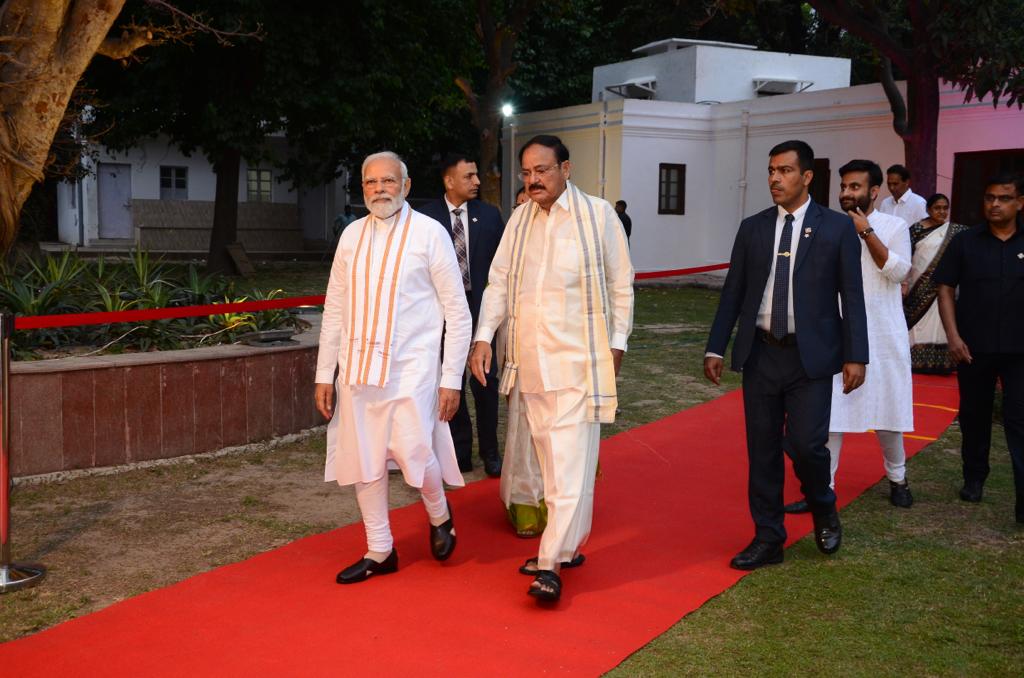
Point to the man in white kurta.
(395, 285)
(885, 402)
(562, 281)
(903, 202)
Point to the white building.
(155, 197)
(691, 171)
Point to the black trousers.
(486, 400)
(781, 402)
(977, 382)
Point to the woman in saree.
(928, 240)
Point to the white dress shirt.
(764, 313)
(465, 220)
(911, 207)
(552, 348)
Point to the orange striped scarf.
(372, 301)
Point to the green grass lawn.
(937, 590)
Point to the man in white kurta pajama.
(394, 286)
(884, 403)
(562, 281)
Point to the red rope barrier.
(36, 322)
(680, 271)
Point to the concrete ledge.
(81, 413)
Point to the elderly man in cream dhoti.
(562, 282)
(395, 285)
(885, 403)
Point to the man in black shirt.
(627, 222)
(985, 329)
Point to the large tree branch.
(895, 97)
(867, 28)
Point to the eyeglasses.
(387, 182)
(541, 172)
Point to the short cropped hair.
(451, 160)
(1001, 178)
(934, 199)
(804, 153)
(900, 170)
(869, 166)
(549, 140)
(620, 202)
(389, 155)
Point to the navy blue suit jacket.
(485, 230)
(826, 270)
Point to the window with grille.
(258, 181)
(173, 183)
(671, 189)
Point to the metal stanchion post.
(12, 575)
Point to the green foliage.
(70, 284)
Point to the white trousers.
(892, 451)
(372, 498)
(566, 445)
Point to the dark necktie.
(780, 289)
(459, 236)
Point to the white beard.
(386, 209)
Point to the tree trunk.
(47, 48)
(225, 213)
(920, 141)
(490, 144)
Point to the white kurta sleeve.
(897, 266)
(494, 303)
(331, 324)
(618, 272)
(447, 278)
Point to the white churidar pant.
(892, 452)
(372, 498)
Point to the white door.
(115, 191)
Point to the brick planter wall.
(77, 413)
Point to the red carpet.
(671, 511)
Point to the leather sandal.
(547, 586)
(530, 566)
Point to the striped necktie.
(780, 290)
(459, 236)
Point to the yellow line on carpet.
(937, 407)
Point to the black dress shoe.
(828, 533)
(797, 507)
(971, 491)
(361, 570)
(442, 538)
(899, 494)
(758, 554)
(492, 466)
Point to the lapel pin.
(807, 230)
(1020, 255)
(474, 219)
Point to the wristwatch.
(866, 232)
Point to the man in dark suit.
(476, 229)
(789, 265)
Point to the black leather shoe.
(971, 491)
(492, 466)
(442, 538)
(758, 554)
(899, 494)
(797, 507)
(828, 533)
(360, 571)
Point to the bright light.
(507, 110)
